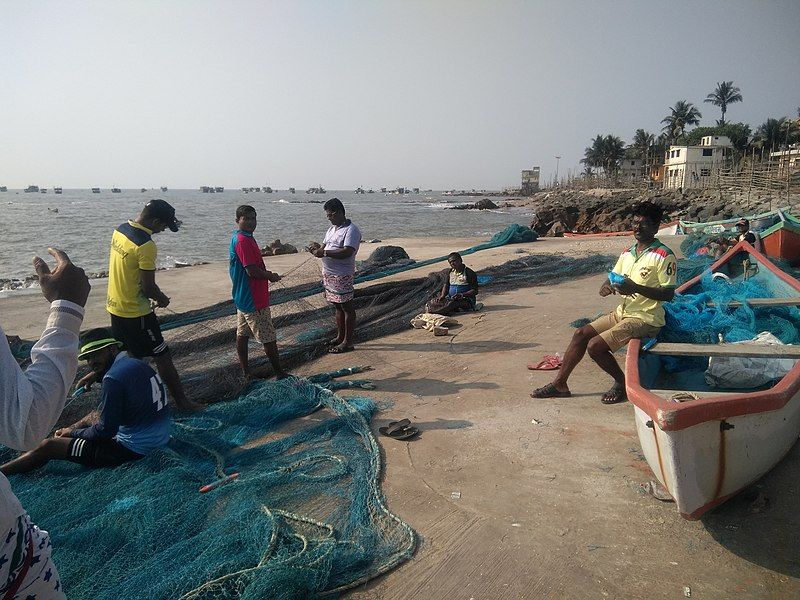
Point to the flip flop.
(549, 391)
(396, 425)
(403, 433)
(548, 363)
(615, 395)
(340, 349)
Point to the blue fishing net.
(691, 319)
(305, 517)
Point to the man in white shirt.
(30, 403)
(338, 253)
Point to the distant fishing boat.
(206, 189)
(95, 190)
(3, 188)
(163, 188)
(758, 223)
(32, 188)
(705, 444)
(267, 190)
(315, 190)
(370, 191)
(143, 190)
(292, 190)
(219, 190)
(43, 190)
(359, 190)
(58, 190)
(116, 191)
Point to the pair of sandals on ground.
(615, 395)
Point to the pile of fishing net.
(305, 517)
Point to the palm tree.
(682, 114)
(726, 93)
(643, 143)
(606, 152)
(771, 133)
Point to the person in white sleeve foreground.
(30, 403)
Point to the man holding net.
(251, 293)
(338, 254)
(647, 273)
(134, 416)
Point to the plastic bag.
(742, 372)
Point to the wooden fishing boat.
(759, 223)
(782, 240)
(715, 443)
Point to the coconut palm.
(682, 114)
(774, 134)
(726, 93)
(606, 152)
(642, 143)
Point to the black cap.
(743, 222)
(161, 209)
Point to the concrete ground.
(519, 498)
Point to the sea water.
(81, 222)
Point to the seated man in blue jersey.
(133, 419)
(460, 289)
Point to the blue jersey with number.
(134, 407)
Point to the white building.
(632, 169)
(694, 166)
(786, 160)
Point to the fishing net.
(305, 517)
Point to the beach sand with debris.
(513, 497)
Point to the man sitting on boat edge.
(650, 272)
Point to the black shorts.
(140, 335)
(100, 453)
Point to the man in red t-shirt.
(251, 292)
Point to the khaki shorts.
(256, 324)
(618, 332)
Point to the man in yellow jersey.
(648, 271)
(131, 286)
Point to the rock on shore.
(596, 211)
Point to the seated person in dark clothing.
(133, 419)
(460, 289)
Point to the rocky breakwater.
(607, 211)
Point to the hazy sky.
(433, 94)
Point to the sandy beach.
(513, 497)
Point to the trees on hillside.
(682, 114)
(776, 134)
(725, 93)
(605, 153)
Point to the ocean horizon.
(81, 223)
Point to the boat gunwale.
(672, 416)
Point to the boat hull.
(703, 465)
(705, 450)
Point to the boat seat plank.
(749, 350)
(761, 302)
